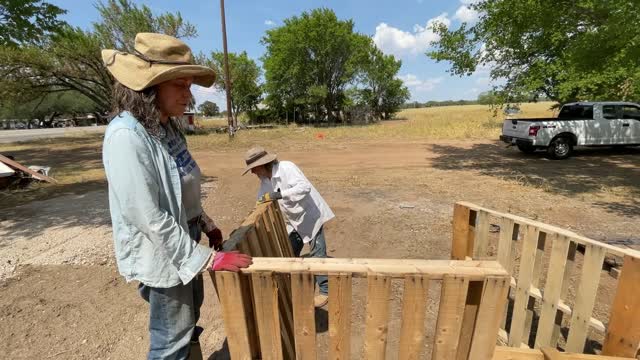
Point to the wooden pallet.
(262, 234)
(453, 340)
(471, 231)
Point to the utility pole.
(227, 75)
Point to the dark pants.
(174, 313)
(318, 250)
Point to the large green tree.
(566, 50)
(316, 64)
(27, 21)
(383, 92)
(209, 108)
(309, 62)
(246, 91)
(70, 61)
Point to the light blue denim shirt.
(150, 232)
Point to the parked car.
(577, 124)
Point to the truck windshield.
(576, 112)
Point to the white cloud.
(392, 40)
(466, 14)
(415, 84)
(469, 2)
(202, 94)
(269, 22)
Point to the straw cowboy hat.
(156, 58)
(257, 156)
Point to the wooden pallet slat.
(552, 291)
(267, 315)
(481, 242)
(377, 318)
(448, 325)
(505, 241)
(585, 297)
(521, 302)
(340, 316)
(414, 308)
(623, 335)
(492, 305)
(536, 274)
(302, 289)
(436, 269)
(464, 220)
(472, 305)
(233, 314)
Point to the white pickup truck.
(577, 124)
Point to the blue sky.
(398, 27)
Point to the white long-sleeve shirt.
(304, 209)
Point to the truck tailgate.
(516, 128)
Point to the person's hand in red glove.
(215, 239)
(230, 261)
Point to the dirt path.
(62, 297)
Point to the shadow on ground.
(589, 170)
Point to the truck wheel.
(527, 149)
(560, 148)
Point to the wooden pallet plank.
(464, 220)
(340, 316)
(267, 314)
(481, 242)
(271, 234)
(552, 291)
(568, 272)
(492, 305)
(508, 240)
(302, 289)
(233, 313)
(285, 302)
(377, 321)
(414, 308)
(436, 269)
(448, 325)
(254, 243)
(585, 297)
(505, 240)
(281, 230)
(623, 334)
(536, 275)
(521, 302)
(472, 304)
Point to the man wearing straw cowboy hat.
(305, 210)
(154, 191)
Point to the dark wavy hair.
(142, 105)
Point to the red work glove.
(215, 239)
(230, 261)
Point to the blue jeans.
(318, 250)
(174, 313)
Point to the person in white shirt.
(305, 211)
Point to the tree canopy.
(566, 50)
(27, 21)
(314, 59)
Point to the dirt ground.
(62, 297)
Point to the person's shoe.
(320, 300)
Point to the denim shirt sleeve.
(133, 176)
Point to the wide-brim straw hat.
(156, 58)
(257, 156)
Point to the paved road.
(9, 136)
